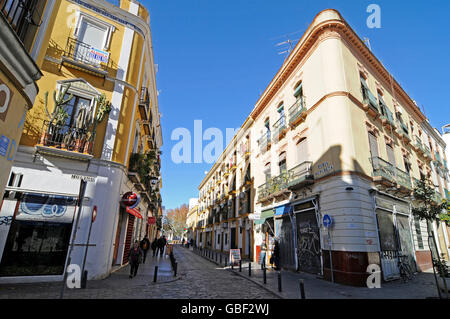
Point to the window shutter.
(373, 145)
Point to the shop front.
(35, 233)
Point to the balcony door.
(302, 151)
(90, 35)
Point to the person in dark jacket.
(135, 258)
(154, 246)
(161, 244)
(145, 246)
(276, 255)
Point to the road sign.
(327, 221)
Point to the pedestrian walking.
(154, 246)
(135, 259)
(145, 246)
(161, 244)
(275, 259)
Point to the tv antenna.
(367, 42)
(287, 45)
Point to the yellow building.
(96, 119)
(334, 136)
(18, 76)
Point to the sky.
(215, 58)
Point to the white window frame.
(109, 28)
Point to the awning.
(264, 215)
(282, 210)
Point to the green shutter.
(298, 90)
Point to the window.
(373, 144)
(282, 163)
(74, 106)
(267, 126)
(302, 151)
(418, 233)
(390, 154)
(407, 165)
(382, 103)
(298, 91)
(267, 171)
(281, 115)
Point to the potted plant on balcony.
(58, 117)
(103, 108)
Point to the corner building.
(334, 134)
(89, 50)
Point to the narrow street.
(197, 278)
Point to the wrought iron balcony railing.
(389, 172)
(279, 127)
(300, 174)
(144, 104)
(85, 54)
(265, 140)
(296, 111)
(67, 138)
(370, 99)
(295, 177)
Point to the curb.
(258, 284)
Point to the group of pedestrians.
(138, 252)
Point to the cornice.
(315, 33)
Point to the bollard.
(240, 265)
(279, 281)
(175, 268)
(155, 274)
(302, 289)
(264, 276)
(221, 259)
(250, 269)
(84, 279)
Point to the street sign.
(327, 221)
(235, 256)
(84, 178)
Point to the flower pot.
(45, 138)
(87, 147)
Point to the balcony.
(82, 56)
(403, 132)
(282, 184)
(383, 172)
(297, 112)
(387, 119)
(418, 146)
(144, 105)
(279, 129)
(427, 153)
(66, 141)
(370, 103)
(265, 142)
(403, 180)
(265, 191)
(300, 176)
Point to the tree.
(426, 207)
(175, 220)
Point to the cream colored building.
(333, 134)
(226, 198)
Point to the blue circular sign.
(327, 221)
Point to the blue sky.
(216, 57)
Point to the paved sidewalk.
(421, 287)
(117, 285)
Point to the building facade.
(226, 199)
(19, 73)
(334, 134)
(95, 119)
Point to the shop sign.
(324, 169)
(134, 212)
(130, 200)
(152, 220)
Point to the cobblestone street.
(197, 278)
